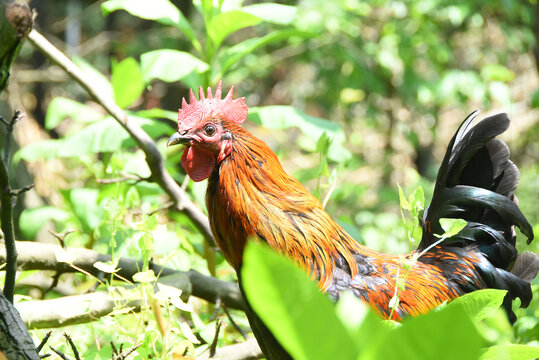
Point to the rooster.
(249, 195)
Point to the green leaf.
(46, 149)
(126, 82)
(231, 56)
(157, 113)
(452, 227)
(61, 108)
(170, 65)
(99, 81)
(32, 220)
(497, 72)
(103, 136)
(403, 201)
(84, 205)
(292, 307)
(284, 117)
(480, 304)
(272, 13)
(535, 99)
(162, 11)
(428, 336)
(107, 267)
(228, 22)
(511, 352)
(145, 276)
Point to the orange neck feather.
(250, 195)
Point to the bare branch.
(248, 350)
(39, 256)
(72, 345)
(44, 341)
(153, 157)
(122, 355)
(69, 310)
(60, 354)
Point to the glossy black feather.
(476, 182)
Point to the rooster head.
(202, 129)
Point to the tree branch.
(70, 310)
(248, 350)
(153, 157)
(39, 256)
(7, 195)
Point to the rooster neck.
(250, 195)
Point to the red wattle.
(198, 162)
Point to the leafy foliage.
(353, 103)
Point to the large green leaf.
(272, 13)
(170, 65)
(497, 72)
(61, 108)
(84, 205)
(230, 56)
(32, 220)
(103, 136)
(301, 318)
(126, 81)
(46, 149)
(228, 22)
(481, 303)
(511, 352)
(428, 336)
(284, 117)
(535, 99)
(162, 11)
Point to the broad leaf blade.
(61, 108)
(511, 352)
(272, 13)
(292, 307)
(126, 82)
(428, 336)
(228, 22)
(162, 11)
(284, 117)
(481, 303)
(170, 65)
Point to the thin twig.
(9, 127)
(17, 192)
(61, 237)
(72, 345)
(126, 353)
(153, 157)
(234, 324)
(61, 355)
(43, 342)
(54, 283)
(213, 345)
(125, 177)
(6, 213)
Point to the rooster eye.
(210, 129)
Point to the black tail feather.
(476, 182)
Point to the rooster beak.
(178, 138)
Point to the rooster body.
(250, 195)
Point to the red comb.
(233, 110)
